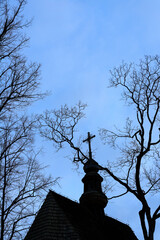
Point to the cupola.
(93, 197)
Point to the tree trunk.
(3, 202)
(148, 235)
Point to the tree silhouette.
(138, 142)
(22, 184)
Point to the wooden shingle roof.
(60, 218)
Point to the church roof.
(60, 218)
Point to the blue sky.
(78, 42)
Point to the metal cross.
(89, 143)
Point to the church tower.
(61, 218)
(93, 197)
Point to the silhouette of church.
(60, 218)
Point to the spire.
(93, 197)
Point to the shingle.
(63, 219)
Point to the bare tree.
(21, 181)
(18, 79)
(22, 185)
(138, 142)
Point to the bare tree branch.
(21, 180)
(137, 141)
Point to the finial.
(89, 143)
